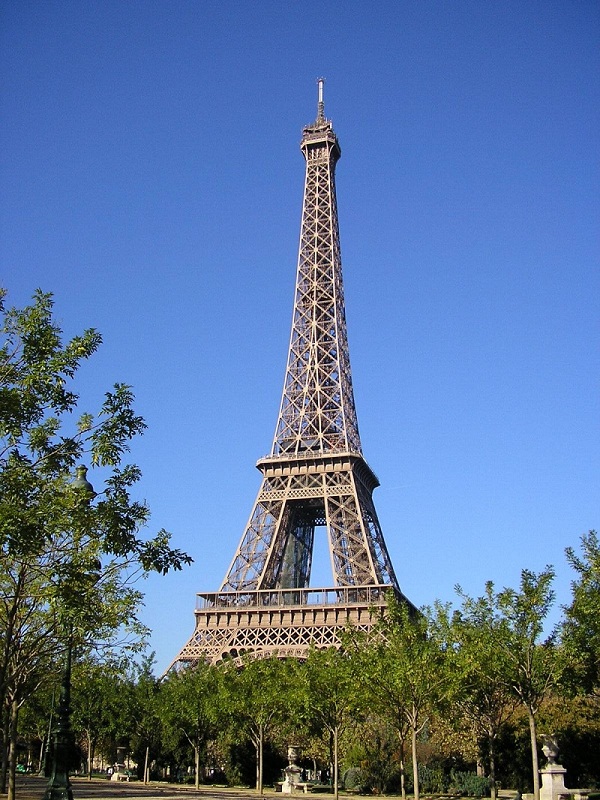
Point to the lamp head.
(82, 483)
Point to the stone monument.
(293, 773)
(553, 774)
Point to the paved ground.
(30, 788)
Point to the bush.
(469, 784)
(432, 780)
(352, 779)
(372, 760)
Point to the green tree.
(331, 696)
(141, 721)
(531, 664)
(190, 707)
(95, 700)
(580, 630)
(66, 565)
(477, 663)
(407, 673)
(379, 695)
(35, 718)
(256, 696)
(372, 757)
(575, 723)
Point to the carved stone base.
(553, 782)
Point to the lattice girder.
(317, 410)
(334, 491)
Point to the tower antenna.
(321, 106)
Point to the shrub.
(352, 779)
(432, 779)
(469, 784)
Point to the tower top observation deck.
(321, 130)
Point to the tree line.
(449, 697)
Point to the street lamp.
(59, 785)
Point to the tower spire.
(321, 104)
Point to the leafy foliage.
(374, 752)
(580, 631)
(407, 676)
(257, 698)
(496, 643)
(479, 693)
(330, 696)
(67, 565)
(190, 708)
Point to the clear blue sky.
(151, 178)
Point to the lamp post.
(59, 785)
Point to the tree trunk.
(146, 764)
(336, 788)
(413, 738)
(197, 765)
(5, 745)
(261, 739)
(402, 770)
(89, 755)
(8, 639)
(534, 754)
(12, 755)
(493, 767)
(256, 742)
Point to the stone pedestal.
(293, 773)
(553, 782)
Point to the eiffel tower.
(315, 475)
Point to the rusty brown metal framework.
(315, 475)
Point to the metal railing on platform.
(336, 595)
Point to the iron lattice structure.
(315, 475)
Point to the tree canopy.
(69, 555)
(580, 631)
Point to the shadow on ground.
(33, 788)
